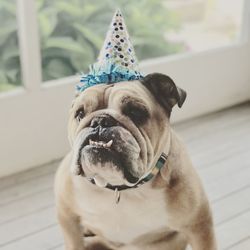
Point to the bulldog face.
(118, 131)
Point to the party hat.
(117, 61)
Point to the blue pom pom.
(108, 73)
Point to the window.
(10, 69)
(72, 32)
(59, 39)
(205, 24)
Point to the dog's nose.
(104, 121)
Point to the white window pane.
(206, 24)
(10, 70)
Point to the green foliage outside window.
(9, 53)
(72, 33)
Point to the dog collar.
(145, 178)
(149, 176)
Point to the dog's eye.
(138, 114)
(79, 114)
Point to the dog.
(128, 182)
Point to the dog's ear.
(164, 90)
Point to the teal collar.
(154, 171)
(145, 178)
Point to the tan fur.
(163, 214)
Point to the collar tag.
(117, 196)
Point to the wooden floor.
(219, 145)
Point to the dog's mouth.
(106, 155)
(100, 144)
(97, 140)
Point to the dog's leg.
(175, 242)
(72, 231)
(201, 235)
(202, 239)
(97, 243)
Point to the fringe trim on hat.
(108, 73)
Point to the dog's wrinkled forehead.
(154, 90)
(109, 96)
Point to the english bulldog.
(128, 182)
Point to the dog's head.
(117, 131)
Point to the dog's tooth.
(90, 142)
(109, 143)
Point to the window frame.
(34, 116)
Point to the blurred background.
(71, 32)
(45, 45)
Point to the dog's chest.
(140, 211)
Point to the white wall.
(213, 79)
(34, 123)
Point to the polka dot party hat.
(117, 61)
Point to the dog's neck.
(149, 175)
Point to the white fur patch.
(140, 211)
